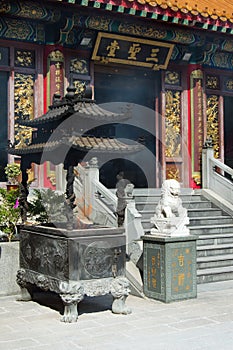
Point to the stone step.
(206, 262)
(203, 222)
(155, 198)
(218, 249)
(192, 213)
(200, 229)
(210, 229)
(199, 212)
(209, 220)
(143, 205)
(157, 191)
(215, 274)
(215, 239)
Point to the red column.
(53, 84)
(196, 123)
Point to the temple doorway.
(137, 90)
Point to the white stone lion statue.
(170, 204)
(170, 216)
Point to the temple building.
(159, 76)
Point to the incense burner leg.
(71, 294)
(120, 291)
(20, 279)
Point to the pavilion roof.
(83, 108)
(81, 143)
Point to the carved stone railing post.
(91, 174)
(207, 155)
(133, 224)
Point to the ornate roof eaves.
(179, 9)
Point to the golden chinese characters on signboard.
(112, 48)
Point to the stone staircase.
(213, 227)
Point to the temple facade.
(166, 66)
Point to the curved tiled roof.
(92, 111)
(54, 113)
(102, 144)
(222, 9)
(83, 108)
(81, 143)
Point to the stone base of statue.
(170, 227)
(169, 267)
(74, 263)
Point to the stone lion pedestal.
(169, 251)
(74, 263)
(169, 267)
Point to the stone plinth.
(9, 264)
(74, 263)
(169, 267)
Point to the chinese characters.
(132, 51)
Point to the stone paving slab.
(195, 324)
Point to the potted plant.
(9, 214)
(12, 171)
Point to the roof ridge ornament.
(71, 89)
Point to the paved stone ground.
(202, 323)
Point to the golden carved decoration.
(30, 10)
(229, 84)
(197, 74)
(23, 136)
(212, 122)
(56, 56)
(24, 107)
(197, 179)
(99, 22)
(183, 36)
(24, 58)
(212, 82)
(173, 172)
(17, 29)
(80, 86)
(221, 59)
(135, 29)
(79, 66)
(4, 8)
(172, 78)
(228, 46)
(172, 123)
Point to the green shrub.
(9, 213)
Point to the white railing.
(99, 204)
(105, 204)
(217, 176)
(94, 201)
